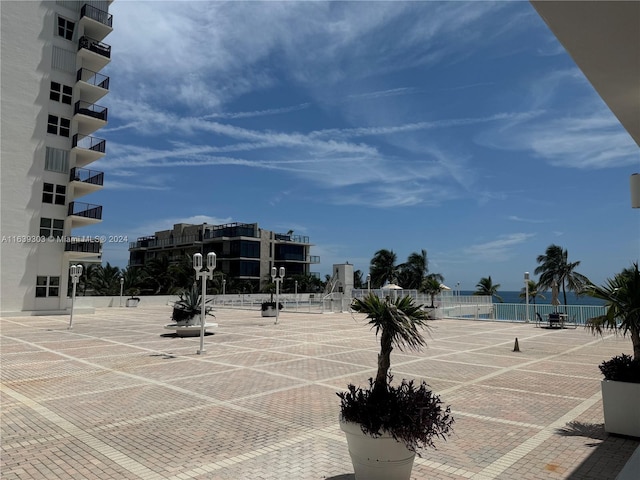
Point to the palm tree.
(432, 287)
(397, 321)
(358, 281)
(106, 280)
(622, 299)
(486, 287)
(134, 278)
(533, 292)
(555, 265)
(414, 270)
(383, 268)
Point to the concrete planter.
(269, 312)
(133, 302)
(381, 458)
(621, 405)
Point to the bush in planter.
(411, 415)
(622, 368)
(189, 305)
(622, 301)
(268, 305)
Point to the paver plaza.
(118, 397)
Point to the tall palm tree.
(134, 278)
(555, 266)
(397, 321)
(486, 287)
(622, 300)
(414, 270)
(358, 281)
(383, 268)
(106, 280)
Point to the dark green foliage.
(266, 305)
(189, 305)
(622, 368)
(411, 415)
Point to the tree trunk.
(384, 362)
(635, 341)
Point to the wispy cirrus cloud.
(498, 250)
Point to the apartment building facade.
(245, 252)
(52, 55)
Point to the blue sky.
(460, 128)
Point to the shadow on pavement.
(603, 463)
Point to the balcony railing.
(96, 14)
(313, 259)
(86, 176)
(86, 210)
(95, 46)
(291, 238)
(92, 78)
(82, 246)
(89, 143)
(91, 110)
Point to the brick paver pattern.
(118, 397)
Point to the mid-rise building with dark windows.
(245, 252)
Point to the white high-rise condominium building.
(51, 58)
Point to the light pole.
(224, 287)
(121, 287)
(526, 295)
(203, 275)
(295, 286)
(368, 284)
(76, 273)
(278, 280)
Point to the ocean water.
(572, 298)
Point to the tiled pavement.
(119, 398)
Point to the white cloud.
(498, 250)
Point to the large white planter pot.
(381, 458)
(269, 312)
(621, 405)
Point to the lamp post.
(75, 272)
(121, 287)
(526, 290)
(224, 286)
(295, 291)
(203, 275)
(368, 284)
(278, 280)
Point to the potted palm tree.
(432, 287)
(621, 384)
(385, 425)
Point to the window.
(65, 28)
(58, 126)
(51, 227)
(47, 286)
(61, 93)
(56, 160)
(53, 193)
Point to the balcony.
(85, 181)
(92, 85)
(95, 55)
(90, 117)
(97, 23)
(84, 214)
(88, 149)
(313, 259)
(79, 245)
